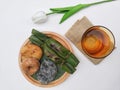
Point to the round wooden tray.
(60, 39)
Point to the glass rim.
(114, 42)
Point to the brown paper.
(75, 33)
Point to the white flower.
(39, 17)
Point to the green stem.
(100, 2)
(54, 12)
(51, 13)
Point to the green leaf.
(59, 73)
(62, 8)
(73, 11)
(53, 12)
(34, 76)
(79, 7)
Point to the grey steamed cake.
(47, 72)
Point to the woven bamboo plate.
(60, 39)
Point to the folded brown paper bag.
(75, 33)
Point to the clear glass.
(98, 42)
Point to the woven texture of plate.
(60, 39)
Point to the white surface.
(15, 28)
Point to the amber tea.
(98, 42)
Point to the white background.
(16, 26)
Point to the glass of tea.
(98, 42)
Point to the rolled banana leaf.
(40, 35)
(57, 47)
(55, 51)
(62, 52)
(52, 55)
